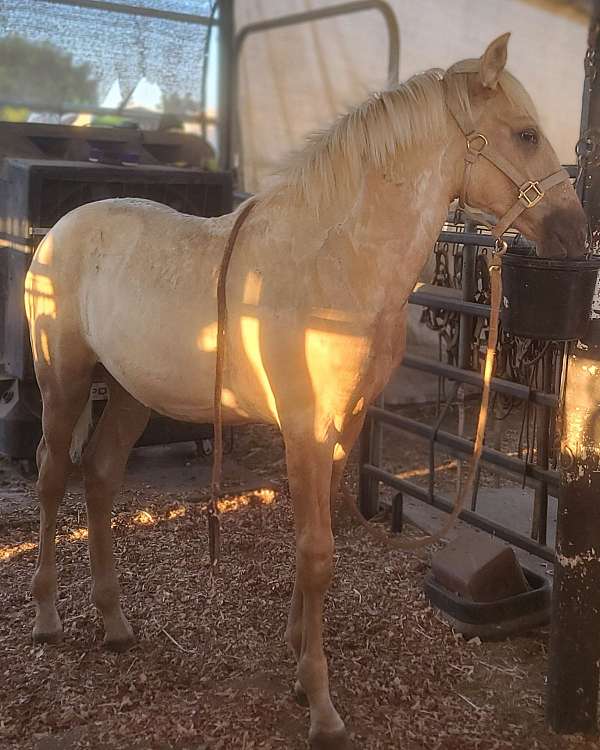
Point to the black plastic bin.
(494, 620)
(545, 298)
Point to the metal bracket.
(530, 193)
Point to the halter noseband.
(531, 192)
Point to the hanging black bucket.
(543, 298)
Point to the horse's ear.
(493, 60)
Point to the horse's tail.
(81, 432)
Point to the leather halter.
(530, 193)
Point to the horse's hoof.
(300, 694)
(52, 637)
(337, 740)
(119, 645)
(118, 633)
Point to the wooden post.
(572, 695)
(572, 700)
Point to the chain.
(589, 64)
(583, 151)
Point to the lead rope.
(214, 524)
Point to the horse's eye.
(529, 135)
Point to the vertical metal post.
(371, 443)
(226, 92)
(368, 488)
(572, 697)
(376, 455)
(397, 513)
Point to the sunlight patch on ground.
(78, 535)
(261, 497)
(143, 518)
(176, 513)
(423, 472)
(16, 549)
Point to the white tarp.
(297, 79)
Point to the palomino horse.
(317, 292)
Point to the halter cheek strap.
(530, 193)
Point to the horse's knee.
(315, 561)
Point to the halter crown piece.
(530, 193)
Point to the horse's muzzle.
(564, 233)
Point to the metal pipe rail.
(470, 377)
(483, 240)
(462, 447)
(340, 9)
(134, 10)
(440, 302)
(442, 503)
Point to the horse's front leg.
(310, 472)
(341, 451)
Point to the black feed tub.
(494, 620)
(544, 298)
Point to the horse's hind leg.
(104, 462)
(65, 389)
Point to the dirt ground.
(211, 669)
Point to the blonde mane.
(332, 161)
(413, 114)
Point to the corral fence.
(529, 377)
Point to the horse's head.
(511, 171)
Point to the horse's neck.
(395, 221)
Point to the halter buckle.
(472, 138)
(530, 193)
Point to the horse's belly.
(171, 369)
